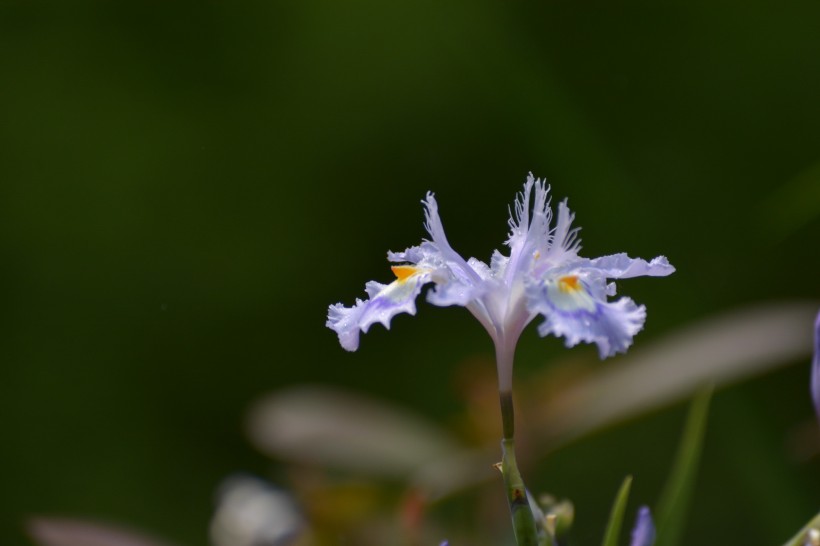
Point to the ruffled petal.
(425, 254)
(386, 301)
(459, 267)
(574, 307)
(451, 293)
(543, 274)
(458, 281)
(564, 241)
(498, 264)
(643, 534)
(529, 224)
(560, 248)
(454, 289)
(621, 266)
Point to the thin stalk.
(507, 415)
(522, 518)
(520, 511)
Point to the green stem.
(522, 518)
(507, 415)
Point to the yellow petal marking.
(403, 272)
(569, 283)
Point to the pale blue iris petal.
(452, 293)
(643, 534)
(373, 288)
(621, 266)
(815, 369)
(457, 265)
(564, 243)
(454, 288)
(579, 316)
(412, 255)
(482, 270)
(531, 215)
(345, 322)
(509, 293)
(611, 289)
(425, 253)
(385, 302)
(498, 264)
(529, 229)
(594, 282)
(453, 285)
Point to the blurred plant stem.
(520, 511)
(616, 517)
(808, 535)
(677, 494)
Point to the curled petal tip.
(621, 266)
(385, 301)
(344, 321)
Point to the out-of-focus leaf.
(347, 431)
(616, 517)
(341, 430)
(675, 499)
(251, 512)
(800, 538)
(332, 428)
(47, 531)
(459, 470)
(718, 351)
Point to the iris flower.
(543, 275)
(815, 368)
(643, 534)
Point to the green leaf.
(675, 499)
(616, 517)
(800, 538)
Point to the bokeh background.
(186, 186)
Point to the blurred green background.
(186, 186)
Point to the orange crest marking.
(569, 283)
(402, 272)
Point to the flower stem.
(522, 518)
(507, 415)
(520, 511)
